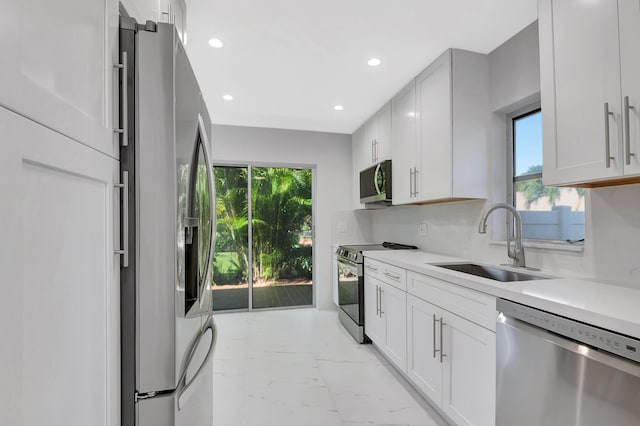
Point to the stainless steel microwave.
(375, 185)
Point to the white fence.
(558, 224)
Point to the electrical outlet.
(423, 230)
(343, 227)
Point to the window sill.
(550, 245)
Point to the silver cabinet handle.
(124, 125)
(390, 275)
(442, 324)
(435, 320)
(375, 149)
(373, 153)
(411, 183)
(627, 131)
(381, 311)
(124, 251)
(608, 156)
(371, 268)
(415, 181)
(377, 301)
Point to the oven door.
(351, 289)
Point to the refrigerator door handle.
(204, 141)
(184, 387)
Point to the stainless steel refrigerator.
(168, 229)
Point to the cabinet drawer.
(477, 307)
(392, 275)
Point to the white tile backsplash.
(611, 251)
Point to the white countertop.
(604, 305)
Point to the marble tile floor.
(299, 367)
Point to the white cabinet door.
(374, 325)
(394, 314)
(383, 147)
(580, 74)
(433, 97)
(371, 136)
(358, 149)
(403, 111)
(59, 310)
(469, 372)
(58, 66)
(423, 362)
(629, 13)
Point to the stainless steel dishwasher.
(553, 370)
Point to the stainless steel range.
(351, 285)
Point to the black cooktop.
(384, 246)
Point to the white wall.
(612, 227)
(330, 154)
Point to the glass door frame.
(314, 255)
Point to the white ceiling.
(288, 62)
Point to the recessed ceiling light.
(373, 62)
(214, 42)
(227, 97)
(338, 107)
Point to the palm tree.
(281, 199)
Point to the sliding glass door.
(231, 255)
(271, 230)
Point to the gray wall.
(329, 153)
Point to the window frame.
(511, 158)
(512, 179)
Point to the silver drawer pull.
(371, 268)
(390, 275)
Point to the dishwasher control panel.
(609, 341)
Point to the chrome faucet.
(517, 254)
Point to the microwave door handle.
(375, 179)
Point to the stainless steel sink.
(489, 272)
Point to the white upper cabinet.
(440, 130)
(358, 156)
(404, 149)
(58, 66)
(371, 144)
(590, 60)
(174, 12)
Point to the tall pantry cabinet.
(59, 313)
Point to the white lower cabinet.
(440, 335)
(423, 361)
(385, 319)
(60, 304)
(469, 373)
(452, 361)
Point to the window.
(548, 212)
